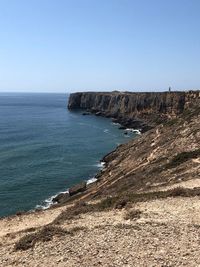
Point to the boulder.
(77, 188)
(61, 198)
(115, 120)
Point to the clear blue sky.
(76, 45)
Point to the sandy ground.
(167, 233)
(18, 223)
(190, 184)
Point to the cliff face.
(129, 108)
(165, 155)
(146, 197)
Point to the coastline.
(147, 197)
(44, 164)
(124, 123)
(51, 201)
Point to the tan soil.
(18, 223)
(167, 234)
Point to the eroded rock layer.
(143, 210)
(138, 110)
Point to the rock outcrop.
(77, 188)
(142, 211)
(61, 198)
(165, 154)
(136, 110)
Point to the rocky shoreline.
(168, 106)
(142, 111)
(136, 120)
(143, 210)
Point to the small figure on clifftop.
(170, 89)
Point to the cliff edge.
(144, 209)
(136, 110)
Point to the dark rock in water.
(125, 133)
(61, 198)
(122, 128)
(146, 128)
(77, 188)
(98, 174)
(86, 113)
(20, 212)
(115, 120)
(109, 157)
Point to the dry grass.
(121, 201)
(133, 214)
(44, 235)
(183, 157)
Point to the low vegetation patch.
(25, 242)
(74, 212)
(128, 226)
(43, 235)
(133, 214)
(82, 208)
(28, 230)
(172, 122)
(188, 114)
(121, 201)
(106, 204)
(76, 229)
(179, 191)
(183, 157)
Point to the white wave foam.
(49, 201)
(92, 180)
(101, 164)
(106, 131)
(133, 130)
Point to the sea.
(45, 148)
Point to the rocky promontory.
(136, 110)
(144, 208)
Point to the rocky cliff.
(143, 210)
(138, 110)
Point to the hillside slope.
(144, 209)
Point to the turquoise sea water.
(44, 148)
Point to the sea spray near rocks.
(57, 198)
(46, 149)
